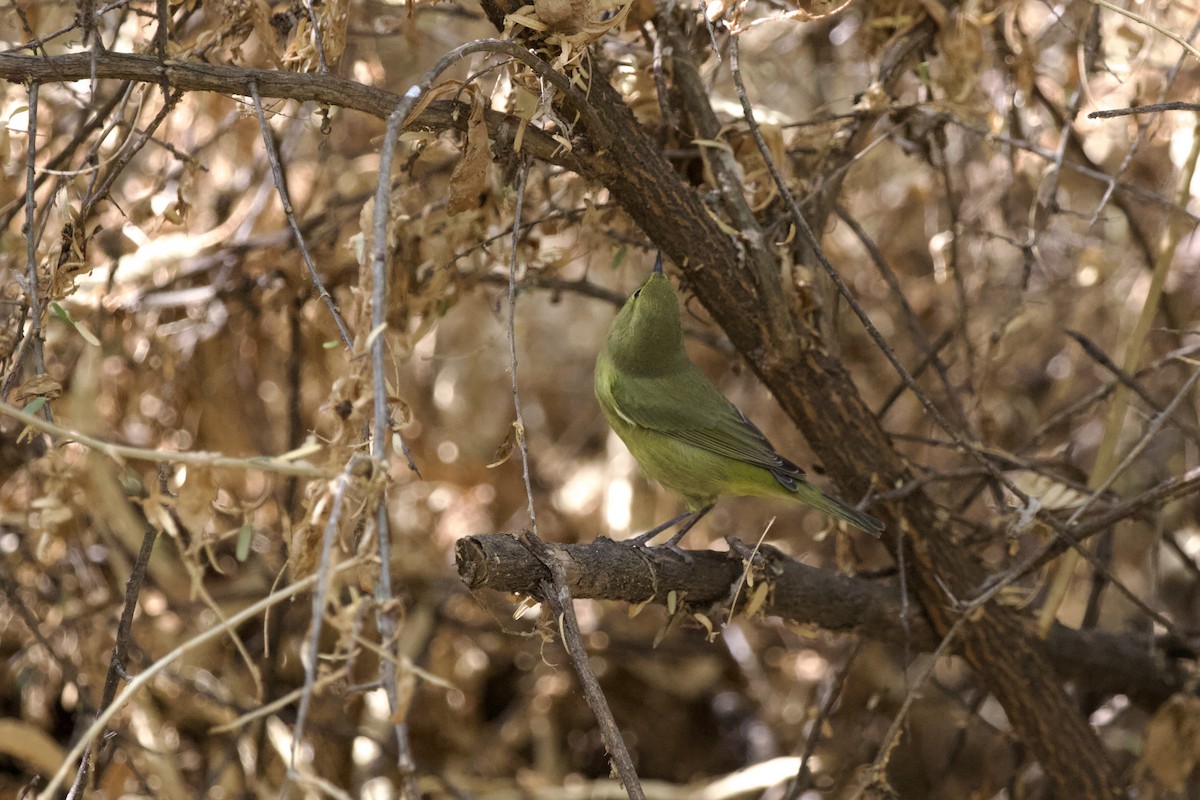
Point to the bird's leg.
(641, 539)
(673, 543)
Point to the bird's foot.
(677, 551)
(672, 544)
(642, 539)
(641, 543)
(656, 549)
(688, 518)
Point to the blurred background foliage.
(182, 318)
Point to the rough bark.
(815, 390)
(810, 385)
(1096, 661)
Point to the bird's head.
(646, 333)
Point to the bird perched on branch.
(680, 428)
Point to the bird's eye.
(636, 293)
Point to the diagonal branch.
(814, 388)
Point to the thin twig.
(555, 592)
(324, 569)
(926, 361)
(1102, 392)
(1174, 37)
(10, 593)
(1143, 126)
(30, 228)
(803, 780)
(928, 349)
(382, 428)
(1165, 492)
(1103, 474)
(396, 120)
(316, 34)
(147, 674)
(1153, 428)
(1046, 204)
(100, 191)
(1135, 190)
(522, 444)
(892, 737)
(810, 239)
(266, 709)
(118, 662)
(279, 464)
(94, 117)
(1069, 533)
(1094, 352)
(537, 280)
(566, 213)
(289, 213)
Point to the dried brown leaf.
(505, 450)
(469, 179)
(37, 386)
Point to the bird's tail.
(835, 508)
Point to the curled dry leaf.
(571, 24)
(357, 489)
(333, 18)
(505, 450)
(469, 179)
(731, 12)
(37, 386)
(756, 177)
(758, 598)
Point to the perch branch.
(607, 570)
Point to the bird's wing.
(686, 406)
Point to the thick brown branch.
(302, 87)
(811, 385)
(815, 390)
(1098, 662)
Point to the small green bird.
(680, 428)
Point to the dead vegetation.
(267, 310)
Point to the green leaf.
(245, 536)
(619, 256)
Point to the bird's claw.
(675, 549)
(641, 543)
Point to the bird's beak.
(658, 268)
